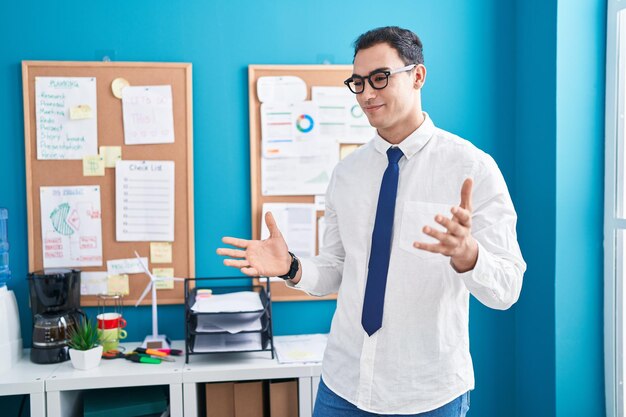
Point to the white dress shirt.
(419, 360)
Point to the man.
(402, 254)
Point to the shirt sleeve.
(496, 280)
(321, 275)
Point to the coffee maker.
(55, 305)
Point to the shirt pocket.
(416, 215)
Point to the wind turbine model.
(156, 340)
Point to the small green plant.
(84, 336)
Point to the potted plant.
(85, 352)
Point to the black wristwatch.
(293, 268)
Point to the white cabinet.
(245, 367)
(27, 378)
(66, 385)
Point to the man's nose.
(369, 92)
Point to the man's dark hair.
(407, 43)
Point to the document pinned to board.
(283, 89)
(298, 176)
(144, 201)
(148, 114)
(340, 115)
(126, 266)
(66, 110)
(93, 283)
(71, 226)
(291, 130)
(297, 223)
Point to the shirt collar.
(413, 143)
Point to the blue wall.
(581, 35)
(535, 129)
(559, 187)
(491, 79)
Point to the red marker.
(173, 352)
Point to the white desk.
(27, 378)
(56, 390)
(246, 366)
(64, 387)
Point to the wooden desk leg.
(304, 397)
(38, 404)
(176, 400)
(190, 399)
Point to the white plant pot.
(86, 359)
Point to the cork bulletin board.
(313, 75)
(110, 132)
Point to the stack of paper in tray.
(232, 313)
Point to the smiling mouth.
(373, 108)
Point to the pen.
(150, 352)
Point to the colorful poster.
(291, 130)
(71, 226)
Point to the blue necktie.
(374, 300)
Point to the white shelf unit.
(246, 367)
(66, 385)
(27, 378)
(56, 390)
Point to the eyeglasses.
(377, 79)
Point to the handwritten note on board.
(118, 284)
(93, 283)
(161, 252)
(144, 201)
(126, 266)
(111, 155)
(60, 136)
(93, 165)
(148, 114)
(163, 273)
(71, 226)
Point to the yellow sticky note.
(81, 112)
(161, 252)
(93, 166)
(163, 273)
(111, 155)
(118, 284)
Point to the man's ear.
(419, 76)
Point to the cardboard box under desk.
(249, 399)
(220, 399)
(235, 399)
(284, 399)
